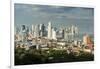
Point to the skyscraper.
(76, 30)
(62, 32)
(36, 31)
(66, 34)
(23, 28)
(33, 28)
(72, 31)
(42, 30)
(23, 33)
(49, 30)
(53, 34)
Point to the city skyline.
(53, 34)
(28, 14)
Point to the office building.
(23, 33)
(33, 29)
(49, 30)
(36, 31)
(42, 30)
(54, 34)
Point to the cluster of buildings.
(49, 32)
(44, 37)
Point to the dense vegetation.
(33, 56)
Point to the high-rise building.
(66, 34)
(61, 33)
(27, 30)
(36, 31)
(33, 28)
(76, 31)
(54, 34)
(49, 30)
(69, 33)
(23, 28)
(42, 30)
(23, 33)
(72, 31)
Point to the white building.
(53, 34)
(33, 28)
(76, 31)
(49, 30)
(66, 34)
(72, 31)
(36, 31)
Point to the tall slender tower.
(33, 30)
(42, 30)
(53, 34)
(49, 30)
(72, 31)
(36, 32)
(76, 30)
(66, 34)
(23, 33)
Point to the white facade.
(36, 31)
(66, 34)
(53, 34)
(33, 28)
(49, 30)
(76, 30)
(72, 32)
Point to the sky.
(59, 16)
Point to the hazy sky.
(59, 16)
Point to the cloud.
(41, 12)
(55, 11)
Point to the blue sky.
(60, 16)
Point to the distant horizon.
(28, 14)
